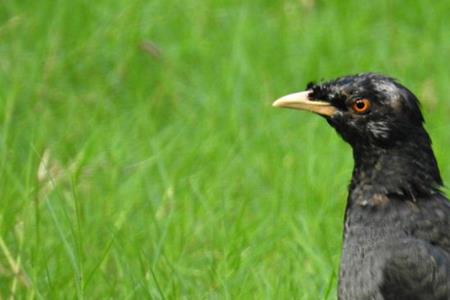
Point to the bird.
(396, 239)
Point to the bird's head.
(381, 120)
(366, 109)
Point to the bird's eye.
(361, 106)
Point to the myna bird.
(397, 221)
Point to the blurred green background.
(140, 156)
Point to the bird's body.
(397, 227)
(397, 222)
(398, 250)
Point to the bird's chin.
(349, 133)
(334, 120)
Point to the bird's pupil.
(360, 104)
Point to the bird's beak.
(301, 101)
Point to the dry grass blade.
(151, 48)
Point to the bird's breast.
(367, 235)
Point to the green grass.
(128, 172)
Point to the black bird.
(397, 221)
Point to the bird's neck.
(407, 170)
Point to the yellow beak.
(301, 101)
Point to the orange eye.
(361, 106)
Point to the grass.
(140, 156)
